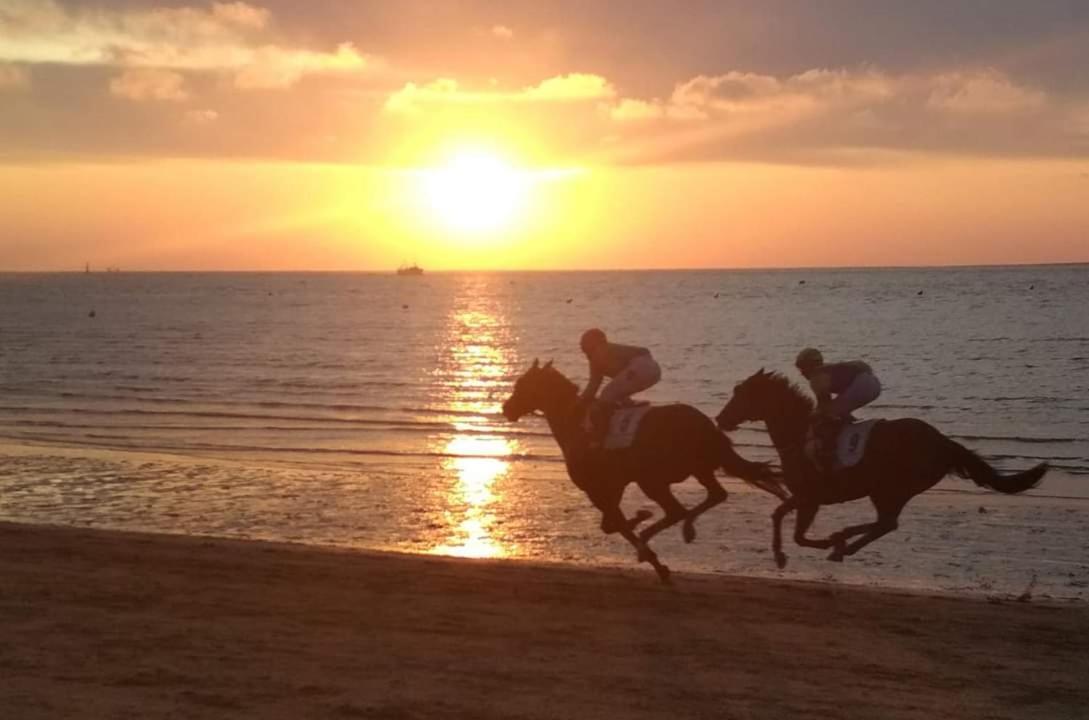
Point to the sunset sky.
(355, 135)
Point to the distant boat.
(412, 269)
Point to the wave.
(1017, 439)
(377, 426)
(337, 406)
(119, 443)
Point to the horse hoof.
(836, 556)
(689, 533)
(642, 515)
(664, 576)
(781, 560)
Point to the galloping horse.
(672, 443)
(903, 458)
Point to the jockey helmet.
(810, 357)
(591, 338)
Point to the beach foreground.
(107, 624)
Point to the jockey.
(852, 383)
(632, 369)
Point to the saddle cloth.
(850, 444)
(623, 424)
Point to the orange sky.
(357, 135)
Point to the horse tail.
(757, 474)
(971, 466)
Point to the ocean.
(363, 409)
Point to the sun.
(475, 191)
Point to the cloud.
(273, 67)
(230, 37)
(573, 87)
(412, 96)
(13, 77)
(502, 32)
(141, 84)
(241, 14)
(845, 110)
(983, 92)
(628, 109)
(200, 117)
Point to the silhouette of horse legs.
(613, 520)
(715, 494)
(840, 537)
(888, 516)
(675, 512)
(777, 530)
(610, 523)
(806, 513)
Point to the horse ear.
(536, 364)
(548, 364)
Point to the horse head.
(537, 389)
(748, 403)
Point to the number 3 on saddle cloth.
(833, 445)
(613, 427)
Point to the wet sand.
(97, 624)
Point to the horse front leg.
(615, 521)
(777, 530)
(806, 514)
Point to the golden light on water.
(475, 495)
(477, 361)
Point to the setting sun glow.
(475, 191)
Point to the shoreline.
(98, 623)
(952, 540)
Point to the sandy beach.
(100, 624)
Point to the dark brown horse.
(673, 442)
(903, 458)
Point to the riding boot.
(600, 412)
(827, 434)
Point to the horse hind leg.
(674, 511)
(887, 521)
(840, 537)
(716, 494)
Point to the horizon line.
(756, 268)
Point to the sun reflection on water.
(477, 360)
(472, 518)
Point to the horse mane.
(788, 393)
(565, 382)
